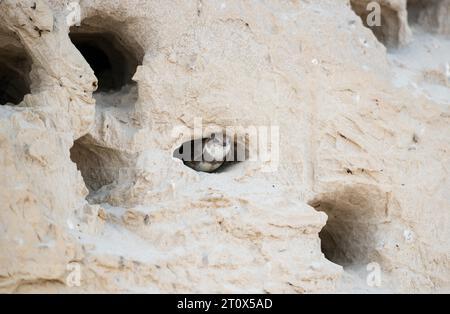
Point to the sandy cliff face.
(91, 189)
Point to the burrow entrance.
(113, 65)
(350, 234)
(194, 154)
(15, 67)
(112, 55)
(100, 167)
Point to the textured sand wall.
(89, 179)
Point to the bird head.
(220, 139)
(218, 146)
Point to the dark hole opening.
(102, 168)
(112, 63)
(99, 62)
(194, 155)
(15, 66)
(349, 237)
(93, 162)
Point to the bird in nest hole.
(212, 154)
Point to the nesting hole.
(100, 167)
(190, 153)
(388, 32)
(112, 55)
(15, 67)
(112, 64)
(350, 235)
